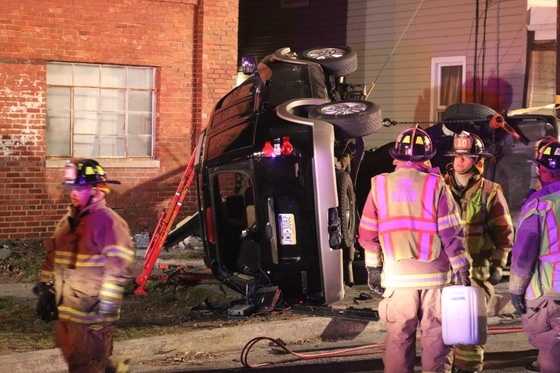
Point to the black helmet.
(549, 155)
(468, 144)
(85, 172)
(413, 144)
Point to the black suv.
(276, 172)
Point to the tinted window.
(288, 81)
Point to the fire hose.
(352, 351)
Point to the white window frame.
(437, 64)
(152, 117)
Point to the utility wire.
(483, 51)
(394, 48)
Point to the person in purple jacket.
(535, 266)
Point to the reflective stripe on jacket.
(487, 223)
(409, 216)
(535, 266)
(89, 259)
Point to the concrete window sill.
(111, 163)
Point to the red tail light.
(287, 147)
(277, 147)
(268, 150)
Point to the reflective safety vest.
(409, 219)
(406, 214)
(546, 275)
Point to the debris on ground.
(20, 260)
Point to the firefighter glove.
(496, 274)
(462, 278)
(46, 308)
(518, 301)
(374, 280)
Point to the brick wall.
(166, 34)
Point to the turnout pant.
(86, 347)
(405, 310)
(541, 322)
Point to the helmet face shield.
(413, 144)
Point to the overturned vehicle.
(276, 177)
(283, 173)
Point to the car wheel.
(337, 61)
(356, 118)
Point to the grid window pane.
(112, 100)
(58, 135)
(139, 145)
(139, 124)
(111, 146)
(58, 100)
(140, 78)
(140, 101)
(113, 76)
(86, 75)
(85, 146)
(111, 124)
(86, 99)
(86, 123)
(59, 74)
(99, 110)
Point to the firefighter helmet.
(85, 172)
(468, 144)
(413, 144)
(542, 142)
(549, 155)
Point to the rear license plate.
(287, 224)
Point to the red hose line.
(353, 351)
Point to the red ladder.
(164, 225)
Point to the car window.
(288, 81)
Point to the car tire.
(354, 117)
(347, 213)
(338, 61)
(346, 208)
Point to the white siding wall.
(442, 28)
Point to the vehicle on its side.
(276, 175)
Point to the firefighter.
(487, 225)
(411, 225)
(535, 265)
(88, 263)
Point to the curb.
(211, 341)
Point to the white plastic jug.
(463, 315)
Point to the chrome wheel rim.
(344, 108)
(326, 53)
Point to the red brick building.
(128, 82)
